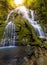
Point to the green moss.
(23, 31)
(26, 34)
(2, 27)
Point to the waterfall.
(9, 15)
(37, 26)
(9, 37)
(25, 12)
(10, 34)
(30, 17)
(32, 14)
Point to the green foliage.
(5, 7)
(30, 3)
(41, 10)
(23, 31)
(26, 34)
(2, 27)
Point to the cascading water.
(10, 34)
(25, 12)
(37, 26)
(9, 15)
